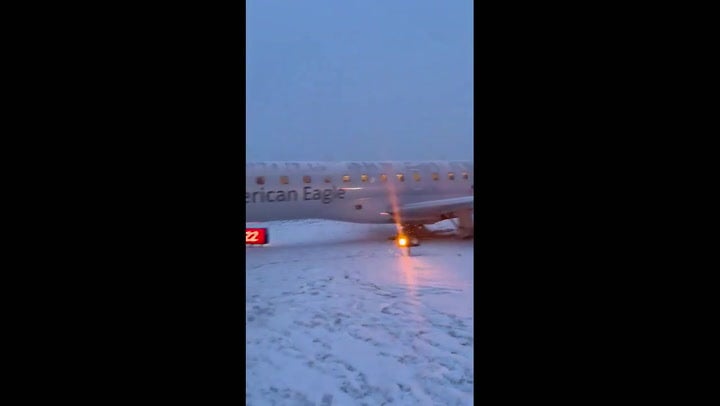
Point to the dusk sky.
(359, 80)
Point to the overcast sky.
(359, 79)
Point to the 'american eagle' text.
(308, 193)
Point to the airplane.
(408, 194)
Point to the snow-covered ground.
(337, 315)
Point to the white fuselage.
(361, 192)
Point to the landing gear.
(411, 230)
(462, 219)
(405, 240)
(414, 229)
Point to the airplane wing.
(435, 209)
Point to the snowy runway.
(335, 314)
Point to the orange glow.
(402, 241)
(395, 206)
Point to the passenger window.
(346, 178)
(306, 179)
(284, 180)
(451, 176)
(260, 180)
(383, 177)
(435, 176)
(465, 175)
(400, 177)
(328, 179)
(363, 178)
(416, 176)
